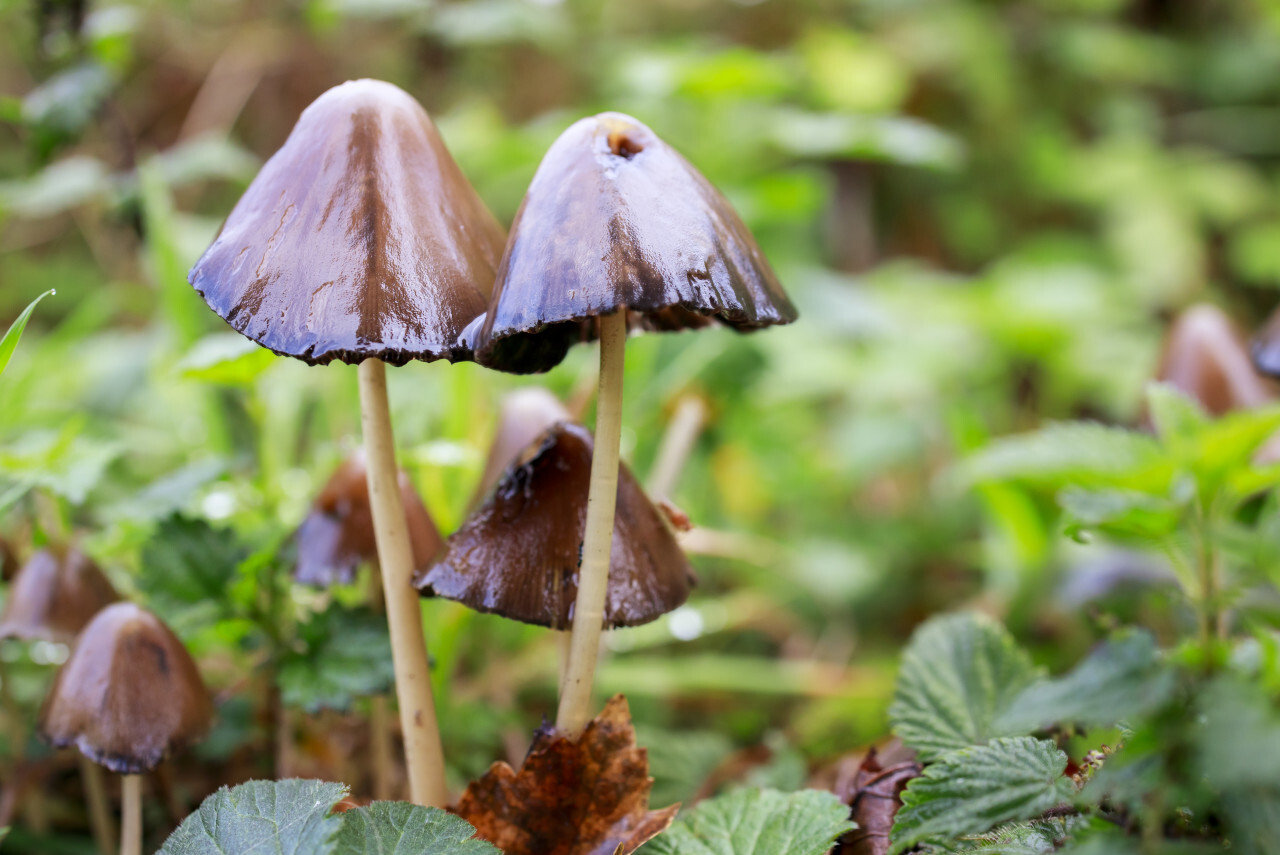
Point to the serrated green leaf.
(281, 817)
(756, 822)
(1077, 452)
(400, 828)
(188, 563)
(1123, 678)
(344, 654)
(9, 343)
(958, 674)
(970, 791)
(1037, 837)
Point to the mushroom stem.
(673, 452)
(380, 750)
(424, 756)
(131, 816)
(95, 797)
(602, 496)
(564, 643)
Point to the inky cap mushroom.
(1205, 357)
(615, 218)
(518, 555)
(359, 238)
(1266, 347)
(129, 694)
(524, 415)
(54, 596)
(337, 535)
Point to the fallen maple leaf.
(874, 796)
(584, 796)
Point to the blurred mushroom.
(1266, 347)
(129, 694)
(616, 227)
(1205, 356)
(524, 415)
(361, 240)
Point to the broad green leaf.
(1123, 514)
(1123, 678)
(756, 822)
(400, 828)
(1176, 417)
(9, 343)
(958, 674)
(344, 654)
(188, 563)
(280, 817)
(970, 791)
(1072, 453)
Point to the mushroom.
(616, 228)
(1205, 357)
(524, 415)
(361, 241)
(128, 695)
(1266, 347)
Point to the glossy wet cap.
(337, 535)
(1205, 356)
(1266, 347)
(54, 595)
(360, 238)
(616, 218)
(129, 694)
(524, 415)
(519, 554)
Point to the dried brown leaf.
(874, 796)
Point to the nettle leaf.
(1037, 837)
(290, 817)
(344, 654)
(1123, 514)
(188, 563)
(959, 673)
(1076, 452)
(1227, 445)
(757, 822)
(1123, 678)
(970, 791)
(9, 343)
(400, 828)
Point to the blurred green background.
(986, 211)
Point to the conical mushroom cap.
(360, 238)
(525, 414)
(1205, 357)
(54, 596)
(519, 554)
(616, 218)
(129, 694)
(1266, 347)
(337, 535)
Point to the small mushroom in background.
(523, 416)
(1266, 347)
(1205, 357)
(128, 695)
(616, 230)
(362, 241)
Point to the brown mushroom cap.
(337, 535)
(616, 218)
(1205, 357)
(54, 596)
(359, 238)
(1266, 347)
(129, 694)
(525, 414)
(519, 554)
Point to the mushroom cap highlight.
(359, 238)
(1266, 347)
(337, 535)
(128, 695)
(54, 596)
(519, 554)
(524, 415)
(615, 218)
(1205, 357)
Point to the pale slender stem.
(95, 797)
(677, 443)
(424, 756)
(131, 816)
(602, 497)
(380, 749)
(564, 640)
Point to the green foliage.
(959, 674)
(756, 822)
(1034, 837)
(972, 790)
(10, 341)
(398, 828)
(288, 817)
(339, 654)
(188, 563)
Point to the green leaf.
(970, 791)
(344, 654)
(399, 828)
(1122, 514)
(959, 673)
(226, 358)
(1123, 678)
(756, 822)
(9, 343)
(1176, 416)
(281, 817)
(188, 563)
(1037, 837)
(1079, 452)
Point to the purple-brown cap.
(519, 554)
(360, 238)
(522, 418)
(337, 535)
(1205, 357)
(54, 595)
(129, 694)
(617, 219)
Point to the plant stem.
(95, 797)
(424, 756)
(564, 643)
(602, 497)
(131, 816)
(677, 443)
